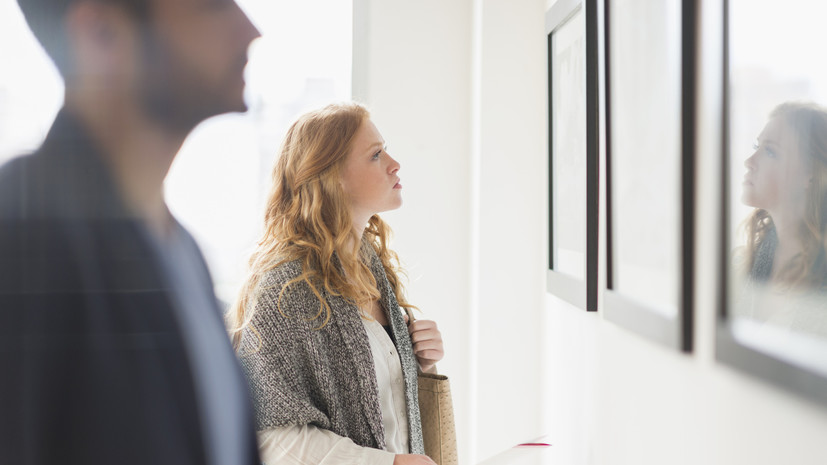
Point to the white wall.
(509, 140)
(412, 67)
(458, 90)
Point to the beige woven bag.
(436, 410)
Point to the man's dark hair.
(46, 19)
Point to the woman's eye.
(771, 153)
(376, 155)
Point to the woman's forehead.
(367, 136)
(779, 131)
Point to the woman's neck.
(359, 224)
(789, 243)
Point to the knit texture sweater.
(325, 377)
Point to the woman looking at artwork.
(785, 259)
(331, 361)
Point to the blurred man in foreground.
(112, 348)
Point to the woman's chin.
(747, 200)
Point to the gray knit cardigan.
(324, 377)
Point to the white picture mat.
(646, 151)
(568, 57)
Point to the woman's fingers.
(422, 330)
(419, 325)
(427, 342)
(428, 359)
(430, 345)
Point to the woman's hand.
(427, 343)
(411, 459)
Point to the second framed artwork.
(650, 75)
(573, 90)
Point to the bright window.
(218, 183)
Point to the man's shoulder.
(14, 166)
(64, 183)
(52, 227)
(16, 176)
(40, 185)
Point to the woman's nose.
(750, 163)
(394, 165)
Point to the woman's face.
(369, 175)
(777, 176)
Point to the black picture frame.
(634, 312)
(579, 288)
(803, 372)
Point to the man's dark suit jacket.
(93, 368)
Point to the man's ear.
(97, 33)
(87, 20)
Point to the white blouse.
(308, 444)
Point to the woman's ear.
(342, 184)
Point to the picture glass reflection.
(778, 178)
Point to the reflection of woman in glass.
(786, 182)
(330, 384)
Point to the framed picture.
(650, 75)
(573, 90)
(772, 321)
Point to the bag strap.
(410, 314)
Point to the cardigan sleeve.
(277, 354)
(305, 371)
(306, 445)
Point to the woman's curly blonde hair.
(307, 218)
(808, 122)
